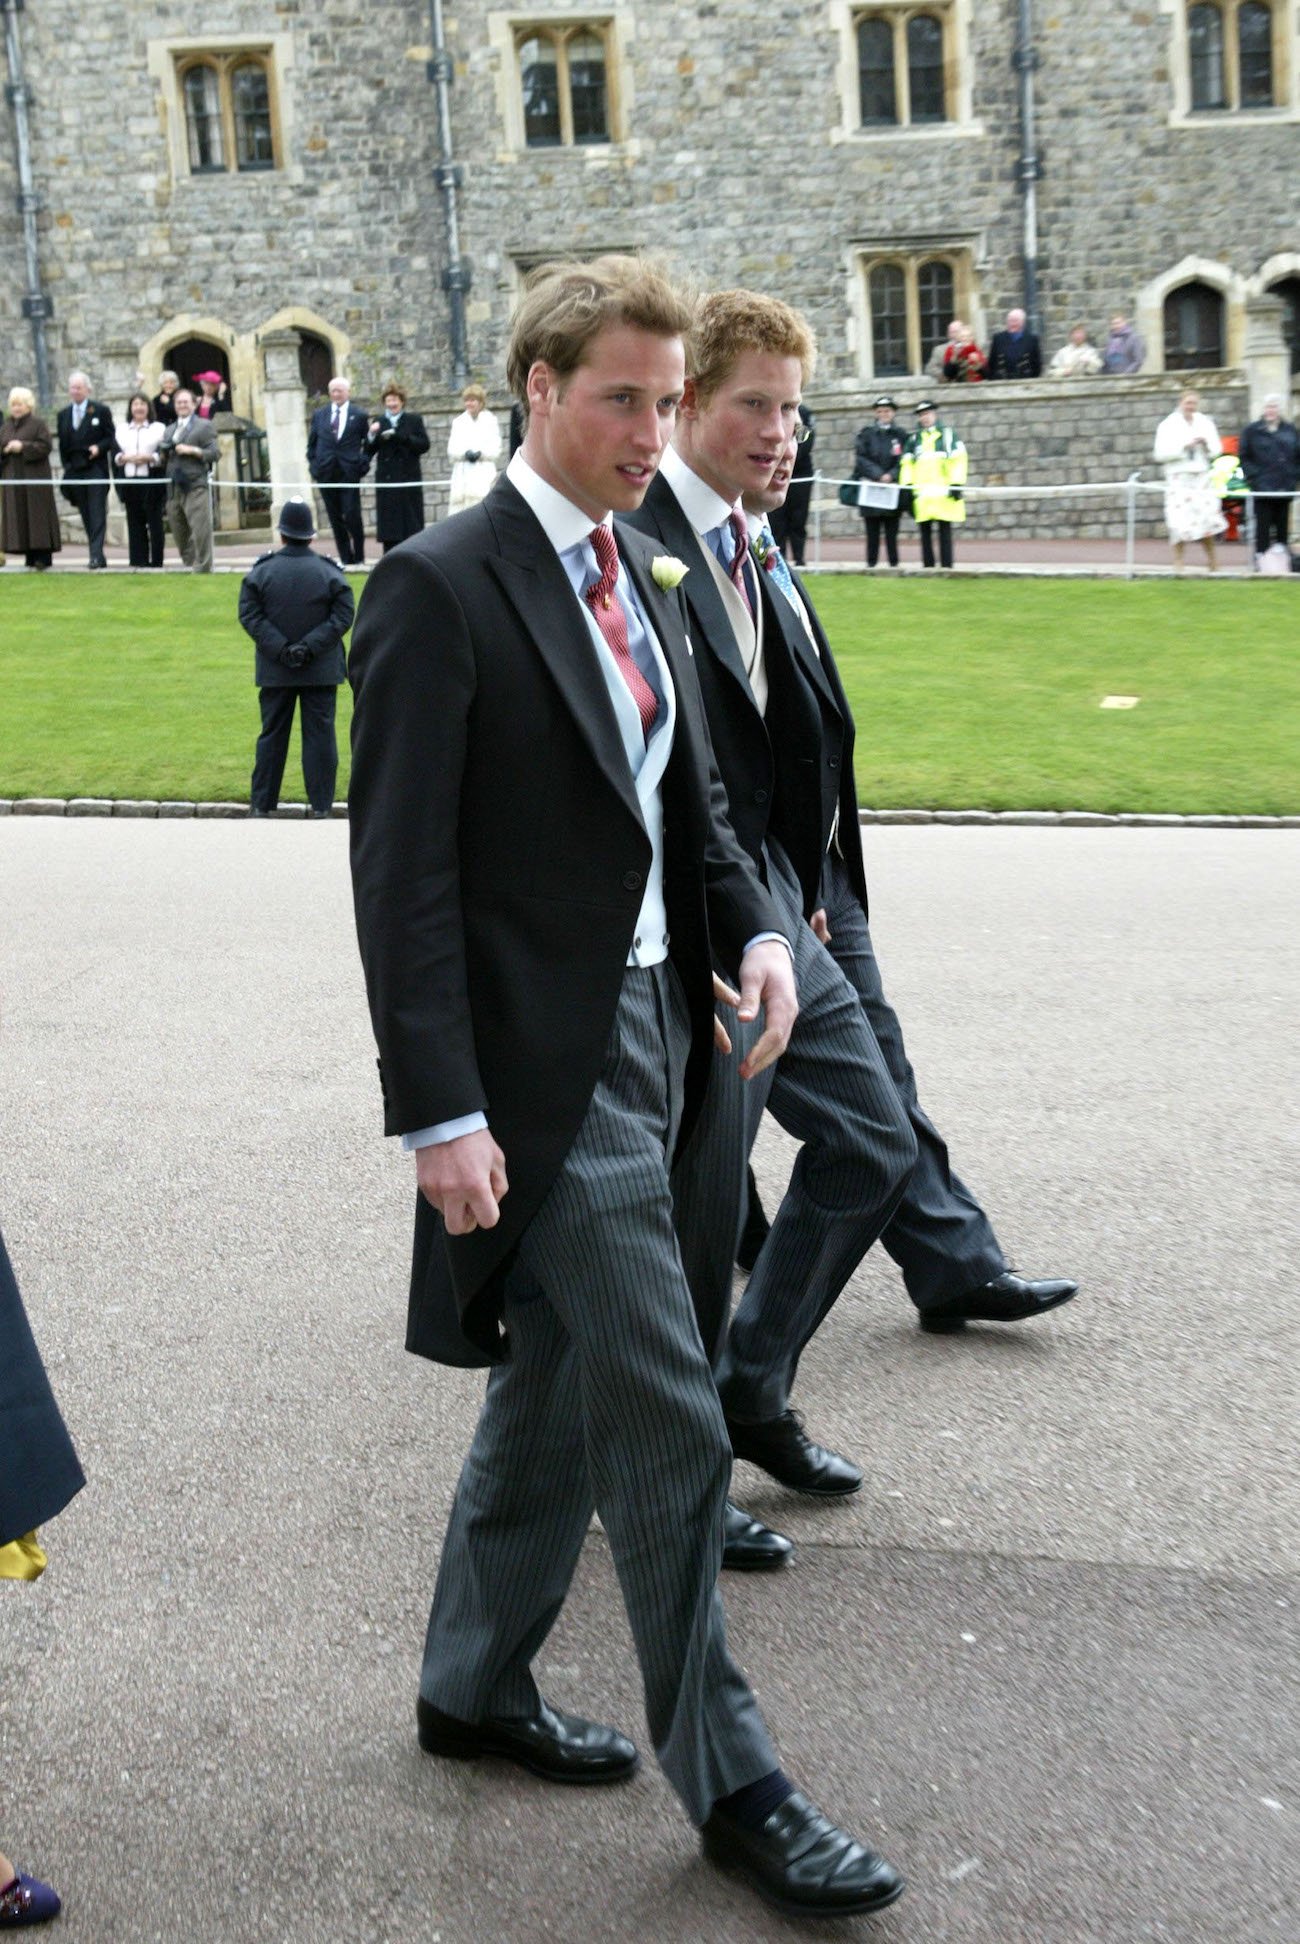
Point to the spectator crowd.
(159, 462)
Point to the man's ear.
(540, 388)
(690, 403)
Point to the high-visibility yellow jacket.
(934, 459)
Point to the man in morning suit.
(748, 357)
(87, 441)
(338, 459)
(544, 876)
(952, 1263)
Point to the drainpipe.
(447, 175)
(1028, 169)
(36, 305)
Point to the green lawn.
(981, 693)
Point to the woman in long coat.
(29, 515)
(1187, 444)
(39, 1473)
(473, 448)
(397, 441)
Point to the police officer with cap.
(297, 606)
(877, 456)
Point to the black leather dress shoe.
(748, 1546)
(561, 1747)
(1007, 1299)
(802, 1863)
(782, 1448)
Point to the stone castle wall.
(739, 163)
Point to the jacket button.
(631, 880)
(834, 762)
(636, 944)
(760, 796)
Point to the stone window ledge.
(918, 132)
(1208, 121)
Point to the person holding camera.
(297, 606)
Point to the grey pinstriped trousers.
(832, 1090)
(938, 1235)
(608, 1399)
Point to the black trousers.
(876, 524)
(320, 750)
(91, 502)
(1272, 518)
(789, 523)
(343, 510)
(927, 530)
(144, 506)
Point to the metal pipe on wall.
(1028, 167)
(36, 305)
(456, 276)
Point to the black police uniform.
(297, 606)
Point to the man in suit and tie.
(189, 452)
(544, 876)
(87, 442)
(748, 357)
(337, 459)
(953, 1265)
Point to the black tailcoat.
(499, 860)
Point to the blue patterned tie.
(779, 571)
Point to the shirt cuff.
(444, 1131)
(765, 938)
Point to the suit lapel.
(707, 607)
(812, 663)
(537, 587)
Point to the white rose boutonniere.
(668, 571)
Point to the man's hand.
(820, 928)
(726, 996)
(767, 980)
(465, 1180)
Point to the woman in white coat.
(473, 448)
(1187, 444)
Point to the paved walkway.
(1047, 1657)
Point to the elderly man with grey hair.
(87, 442)
(1015, 352)
(1270, 458)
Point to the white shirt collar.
(704, 508)
(755, 522)
(564, 524)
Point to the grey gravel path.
(1047, 1657)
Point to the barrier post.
(1130, 522)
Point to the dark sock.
(753, 1804)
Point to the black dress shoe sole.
(737, 1562)
(801, 1485)
(720, 1856)
(468, 1748)
(943, 1321)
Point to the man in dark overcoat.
(297, 606)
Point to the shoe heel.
(451, 1740)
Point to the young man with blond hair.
(544, 877)
(783, 735)
(775, 725)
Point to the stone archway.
(1149, 311)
